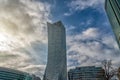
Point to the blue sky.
(23, 32)
(92, 14)
(90, 38)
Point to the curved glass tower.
(112, 8)
(56, 66)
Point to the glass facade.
(56, 68)
(112, 8)
(9, 74)
(86, 73)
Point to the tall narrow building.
(56, 66)
(112, 8)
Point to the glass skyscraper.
(112, 8)
(86, 73)
(56, 68)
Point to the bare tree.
(108, 68)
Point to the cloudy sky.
(23, 34)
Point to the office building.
(10, 74)
(35, 77)
(56, 68)
(118, 75)
(112, 8)
(86, 73)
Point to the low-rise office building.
(86, 73)
(11, 74)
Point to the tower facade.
(112, 8)
(56, 68)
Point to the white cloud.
(68, 13)
(83, 4)
(90, 47)
(78, 5)
(87, 22)
(90, 33)
(23, 39)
